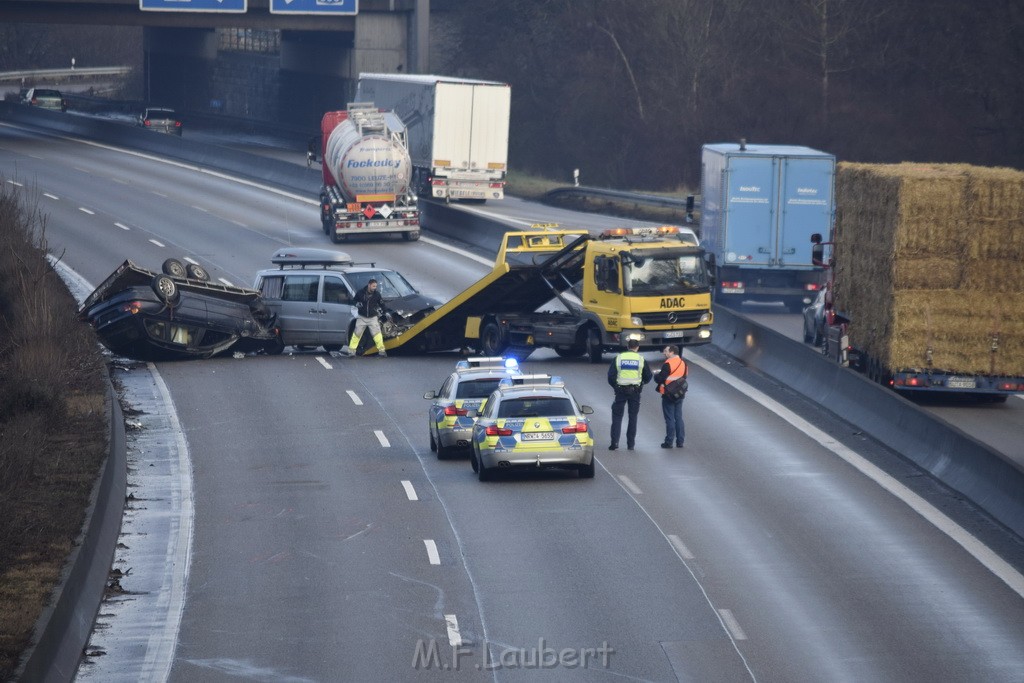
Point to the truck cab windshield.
(664, 274)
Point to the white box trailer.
(458, 131)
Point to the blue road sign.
(193, 5)
(314, 6)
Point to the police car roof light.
(511, 364)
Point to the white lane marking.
(455, 250)
(15, 183)
(499, 217)
(240, 224)
(730, 623)
(121, 181)
(199, 208)
(85, 210)
(192, 260)
(354, 396)
(628, 483)
(410, 492)
(454, 637)
(122, 226)
(227, 282)
(680, 547)
(159, 194)
(51, 196)
(383, 439)
(321, 361)
(432, 551)
(159, 244)
(978, 550)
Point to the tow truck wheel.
(594, 348)
(492, 342)
(165, 289)
(174, 268)
(197, 272)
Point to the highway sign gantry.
(193, 5)
(314, 7)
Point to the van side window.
(335, 291)
(300, 287)
(271, 287)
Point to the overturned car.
(176, 314)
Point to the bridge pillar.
(177, 65)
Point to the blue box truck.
(760, 206)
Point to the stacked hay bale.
(930, 265)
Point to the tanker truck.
(927, 277)
(366, 171)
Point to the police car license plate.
(962, 383)
(538, 436)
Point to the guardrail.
(686, 204)
(39, 74)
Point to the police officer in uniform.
(627, 374)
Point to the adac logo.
(672, 302)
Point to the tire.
(331, 348)
(997, 398)
(570, 352)
(274, 348)
(197, 272)
(336, 238)
(433, 443)
(587, 471)
(165, 289)
(174, 268)
(483, 473)
(595, 350)
(807, 337)
(818, 338)
(411, 236)
(492, 341)
(473, 462)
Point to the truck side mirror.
(818, 254)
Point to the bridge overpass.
(193, 62)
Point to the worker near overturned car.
(627, 375)
(369, 306)
(672, 375)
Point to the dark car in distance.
(45, 98)
(161, 120)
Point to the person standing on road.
(627, 375)
(369, 305)
(671, 406)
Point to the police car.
(453, 411)
(531, 422)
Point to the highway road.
(314, 537)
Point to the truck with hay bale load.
(927, 277)
(760, 206)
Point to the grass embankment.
(53, 425)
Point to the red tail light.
(177, 124)
(579, 428)
(732, 285)
(452, 410)
(495, 430)
(146, 122)
(132, 307)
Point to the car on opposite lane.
(452, 413)
(532, 422)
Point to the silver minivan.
(311, 293)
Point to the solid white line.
(122, 226)
(159, 244)
(432, 551)
(227, 282)
(15, 183)
(51, 196)
(628, 483)
(383, 439)
(355, 397)
(410, 492)
(159, 194)
(321, 361)
(732, 624)
(199, 208)
(240, 224)
(454, 637)
(441, 245)
(192, 260)
(85, 210)
(680, 547)
(982, 553)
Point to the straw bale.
(932, 256)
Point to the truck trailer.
(579, 294)
(760, 205)
(927, 280)
(458, 131)
(366, 171)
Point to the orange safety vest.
(674, 372)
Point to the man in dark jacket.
(671, 407)
(369, 305)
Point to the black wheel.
(197, 272)
(336, 238)
(807, 335)
(997, 398)
(433, 443)
(411, 236)
(595, 350)
(587, 471)
(818, 338)
(492, 341)
(166, 289)
(483, 473)
(569, 351)
(331, 348)
(474, 463)
(174, 268)
(274, 347)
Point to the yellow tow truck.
(651, 283)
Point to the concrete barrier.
(961, 462)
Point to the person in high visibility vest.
(369, 306)
(627, 375)
(671, 407)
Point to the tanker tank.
(365, 163)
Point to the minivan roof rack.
(302, 257)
